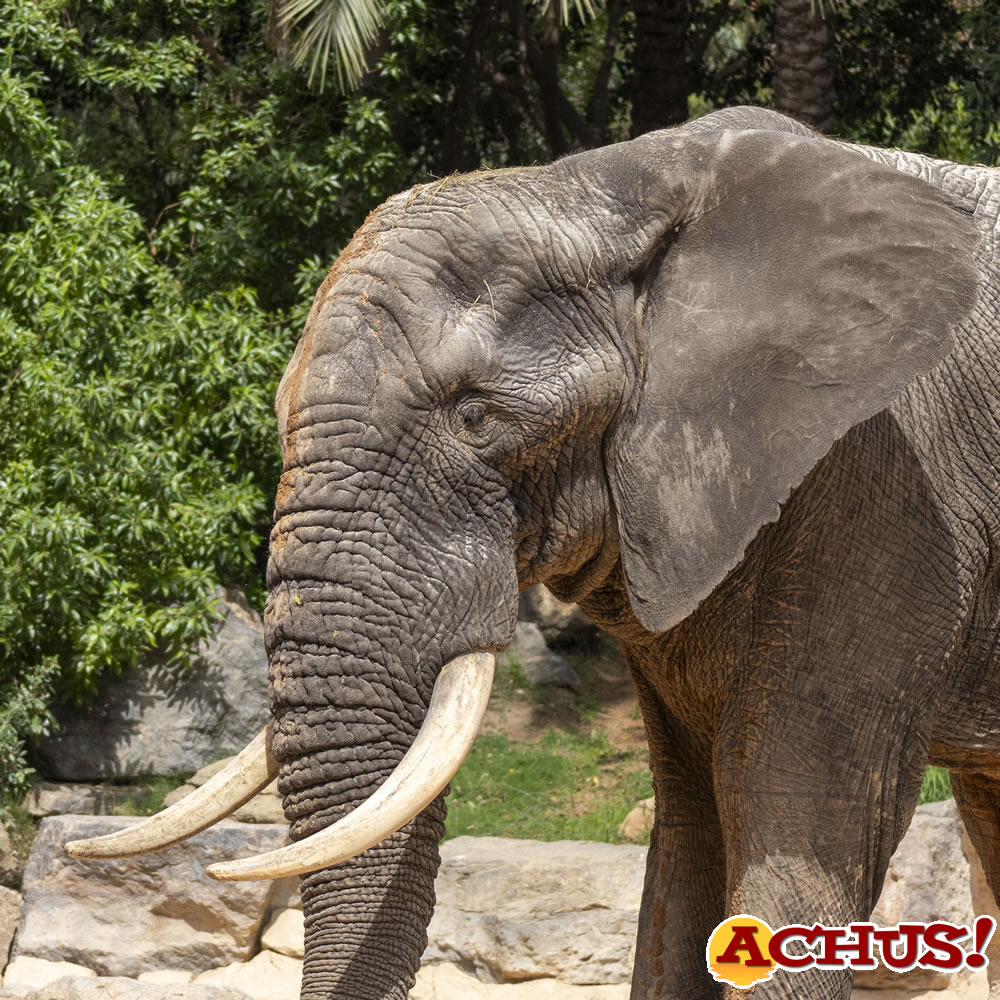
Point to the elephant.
(733, 388)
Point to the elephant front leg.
(812, 811)
(684, 893)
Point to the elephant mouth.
(456, 709)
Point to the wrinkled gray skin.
(607, 374)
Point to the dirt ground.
(608, 705)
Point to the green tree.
(135, 442)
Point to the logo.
(744, 950)
(739, 952)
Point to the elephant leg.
(812, 812)
(978, 800)
(684, 892)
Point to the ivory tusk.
(240, 780)
(457, 706)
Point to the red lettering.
(938, 938)
(828, 952)
(743, 940)
(865, 957)
(776, 950)
(888, 936)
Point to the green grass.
(936, 786)
(147, 795)
(564, 786)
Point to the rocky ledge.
(516, 920)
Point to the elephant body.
(743, 391)
(733, 387)
(791, 715)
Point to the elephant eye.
(472, 414)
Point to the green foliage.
(136, 451)
(171, 193)
(565, 785)
(347, 27)
(936, 786)
(23, 715)
(922, 75)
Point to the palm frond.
(585, 9)
(347, 27)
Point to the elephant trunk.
(356, 642)
(366, 919)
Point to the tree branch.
(597, 112)
(208, 46)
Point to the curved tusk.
(457, 706)
(239, 781)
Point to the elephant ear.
(786, 287)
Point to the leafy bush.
(137, 450)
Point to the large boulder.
(103, 988)
(267, 976)
(536, 661)
(984, 904)
(522, 909)
(11, 864)
(160, 719)
(50, 799)
(265, 807)
(928, 880)
(36, 972)
(449, 982)
(559, 622)
(638, 824)
(155, 911)
(10, 915)
(285, 934)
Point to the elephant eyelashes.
(471, 415)
(474, 416)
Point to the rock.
(558, 622)
(262, 808)
(285, 895)
(537, 662)
(285, 934)
(48, 799)
(28, 971)
(154, 911)
(267, 976)
(521, 909)
(166, 976)
(160, 719)
(449, 982)
(928, 879)
(117, 988)
(984, 905)
(639, 822)
(10, 914)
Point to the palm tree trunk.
(659, 65)
(805, 63)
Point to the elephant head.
(604, 374)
